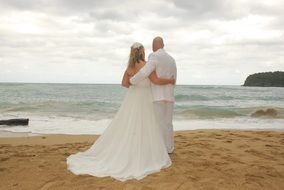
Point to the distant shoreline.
(265, 79)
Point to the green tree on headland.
(266, 79)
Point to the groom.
(163, 95)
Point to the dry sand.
(203, 159)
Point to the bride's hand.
(173, 81)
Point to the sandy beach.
(203, 159)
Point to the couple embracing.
(140, 137)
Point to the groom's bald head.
(157, 43)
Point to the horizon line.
(117, 83)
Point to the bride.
(132, 145)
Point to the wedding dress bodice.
(143, 83)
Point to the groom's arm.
(145, 71)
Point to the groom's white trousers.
(164, 111)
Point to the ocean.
(89, 108)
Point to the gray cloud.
(209, 9)
(213, 41)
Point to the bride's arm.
(125, 80)
(160, 81)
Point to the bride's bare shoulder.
(130, 71)
(139, 65)
(142, 62)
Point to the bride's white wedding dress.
(131, 146)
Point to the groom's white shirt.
(165, 67)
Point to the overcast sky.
(88, 41)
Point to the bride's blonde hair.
(137, 53)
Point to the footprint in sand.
(4, 159)
(53, 182)
(243, 146)
(259, 154)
